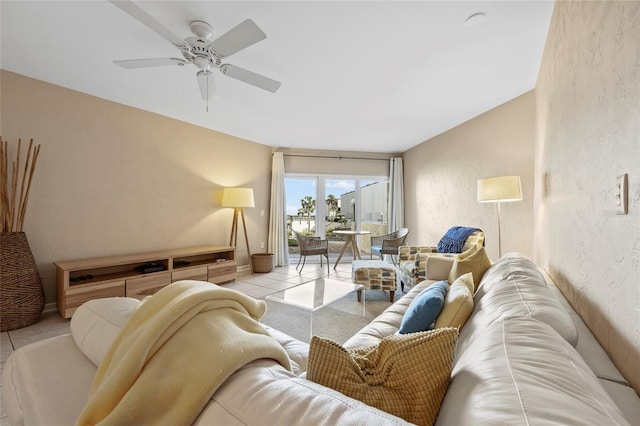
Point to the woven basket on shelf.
(262, 262)
(21, 293)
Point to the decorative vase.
(21, 292)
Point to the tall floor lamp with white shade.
(238, 198)
(499, 189)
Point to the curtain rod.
(335, 158)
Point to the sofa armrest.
(437, 268)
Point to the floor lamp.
(500, 189)
(238, 198)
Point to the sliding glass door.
(346, 203)
(301, 204)
(373, 212)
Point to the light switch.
(622, 194)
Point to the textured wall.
(588, 132)
(114, 180)
(441, 178)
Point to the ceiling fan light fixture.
(202, 62)
(207, 86)
(201, 29)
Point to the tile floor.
(257, 285)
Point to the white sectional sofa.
(523, 357)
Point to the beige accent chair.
(412, 260)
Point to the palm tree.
(332, 204)
(308, 206)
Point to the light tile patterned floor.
(257, 285)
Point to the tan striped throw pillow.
(404, 375)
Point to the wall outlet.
(622, 194)
(262, 244)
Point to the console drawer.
(77, 295)
(141, 287)
(199, 273)
(222, 272)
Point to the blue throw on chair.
(454, 239)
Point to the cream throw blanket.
(177, 348)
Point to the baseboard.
(244, 268)
(50, 307)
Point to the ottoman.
(374, 274)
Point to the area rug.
(337, 321)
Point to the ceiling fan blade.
(136, 12)
(206, 84)
(237, 38)
(151, 62)
(250, 77)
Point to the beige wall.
(588, 132)
(441, 178)
(113, 179)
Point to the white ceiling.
(377, 76)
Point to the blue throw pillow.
(424, 309)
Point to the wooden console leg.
(359, 294)
(391, 294)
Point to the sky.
(296, 189)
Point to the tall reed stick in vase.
(13, 213)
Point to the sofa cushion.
(501, 269)
(625, 398)
(588, 347)
(263, 392)
(522, 372)
(96, 324)
(406, 376)
(514, 289)
(474, 260)
(298, 351)
(458, 304)
(46, 382)
(424, 309)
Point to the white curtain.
(278, 215)
(396, 194)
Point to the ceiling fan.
(202, 50)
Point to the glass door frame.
(320, 183)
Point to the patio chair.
(388, 244)
(311, 246)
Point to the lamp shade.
(237, 197)
(499, 189)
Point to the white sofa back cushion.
(513, 287)
(96, 324)
(523, 372)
